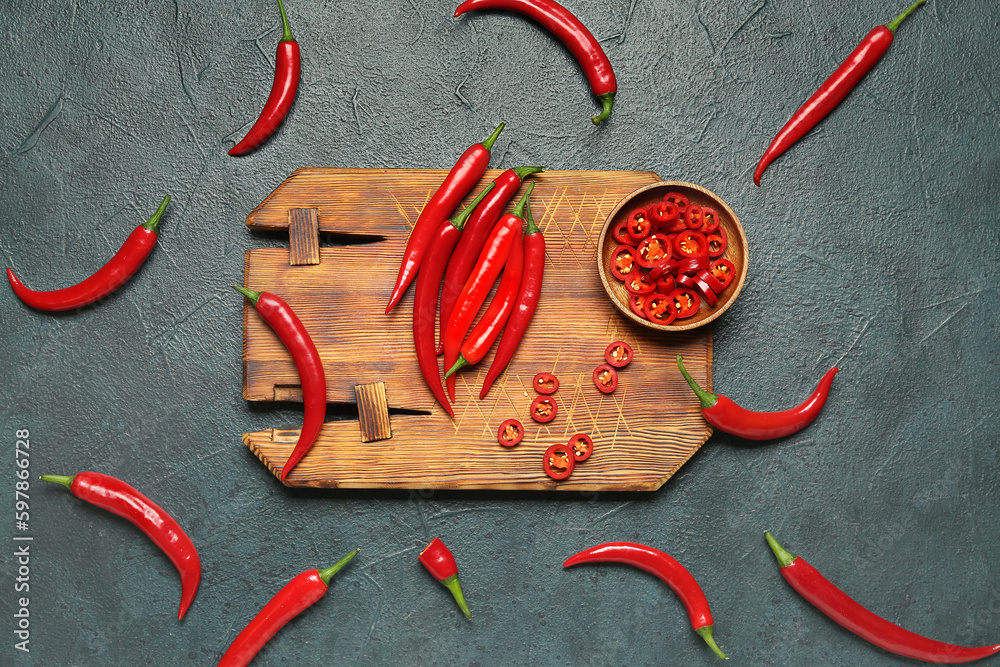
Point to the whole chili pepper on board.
(532, 271)
(283, 320)
(491, 324)
(287, 67)
(666, 568)
(439, 561)
(573, 34)
(117, 497)
(462, 177)
(834, 89)
(299, 594)
(725, 415)
(843, 610)
(425, 298)
(491, 261)
(474, 237)
(106, 279)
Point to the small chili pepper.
(293, 335)
(439, 561)
(491, 261)
(303, 591)
(106, 280)
(425, 297)
(287, 67)
(846, 612)
(462, 177)
(833, 91)
(545, 383)
(493, 320)
(477, 229)
(543, 409)
(723, 270)
(666, 569)
(686, 301)
(527, 301)
(123, 500)
(623, 262)
(620, 233)
(660, 309)
(605, 378)
(727, 416)
(558, 462)
(582, 446)
(510, 432)
(653, 251)
(618, 354)
(573, 34)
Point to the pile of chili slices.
(669, 256)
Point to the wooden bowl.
(736, 251)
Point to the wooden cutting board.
(642, 433)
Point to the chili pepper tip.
(65, 480)
(248, 293)
(153, 224)
(327, 574)
(705, 632)
(784, 556)
(607, 101)
(707, 398)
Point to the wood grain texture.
(373, 412)
(303, 236)
(642, 433)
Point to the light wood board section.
(642, 433)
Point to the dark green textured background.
(873, 246)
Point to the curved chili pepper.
(493, 320)
(532, 272)
(117, 497)
(280, 317)
(843, 610)
(287, 67)
(480, 282)
(725, 415)
(440, 562)
(425, 298)
(573, 34)
(474, 237)
(456, 185)
(303, 591)
(668, 570)
(834, 89)
(106, 280)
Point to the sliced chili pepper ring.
(665, 284)
(510, 432)
(694, 217)
(636, 303)
(711, 281)
(620, 232)
(605, 378)
(660, 309)
(558, 462)
(639, 283)
(618, 354)
(653, 250)
(678, 199)
(545, 383)
(623, 262)
(717, 242)
(690, 244)
(723, 270)
(638, 226)
(711, 217)
(544, 409)
(686, 301)
(582, 446)
(663, 213)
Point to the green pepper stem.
(523, 201)
(894, 24)
(451, 583)
(707, 398)
(607, 101)
(459, 220)
(705, 632)
(248, 293)
(488, 144)
(327, 574)
(524, 172)
(153, 224)
(66, 481)
(287, 35)
(529, 222)
(461, 363)
(784, 556)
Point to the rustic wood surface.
(642, 433)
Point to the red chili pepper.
(543, 409)
(711, 281)
(678, 199)
(623, 262)
(711, 217)
(573, 34)
(666, 284)
(456, 185)
(618, 354)
(493, 320)
(636, 303)
(717, 244)
(287, 66)
(425, 297)
(666, 569)
(280, 317)
(527, 300)
(106, 280)
(605, 378)
(545, 383)
(690, 244)
(439, 561)
(660, 309)
(846, 612)
(620, 233)
(725, 415)
(582, 446)
(558, 462)
(724, 271)
(303, 591)
(686, 300)
(834, 89)
(694, 217)
(510, 433)
(653, 251)
(119, 498)
(639, 283)
(638, 227)
(662, 214)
